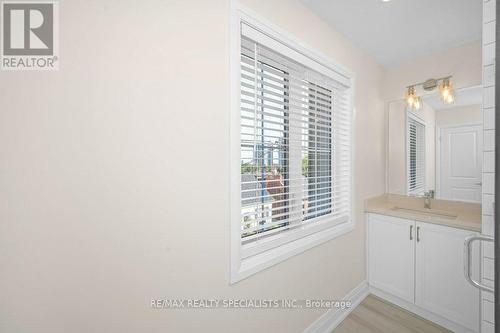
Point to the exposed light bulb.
(446, 90)
(417, 104)
(450, 99)
(411, 97)
(446, 93)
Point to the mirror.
(437, 148)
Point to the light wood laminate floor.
(374, 315)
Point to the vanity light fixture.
(410, 96)
(445, 90)
(412, 100)
(417, 105)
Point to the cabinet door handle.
(418, 234)
(411, 232)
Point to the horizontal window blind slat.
(284, 210)
(295, 143)
(290, 226)
(415, 156)
(252, 203)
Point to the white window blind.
(415, 156)
(295, 145)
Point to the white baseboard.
(333, 317)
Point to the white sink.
(426, 212)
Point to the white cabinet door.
(391, 255)
(441, 286)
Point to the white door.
(391, 250)
(460, 163)
(441, 286)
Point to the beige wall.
(463, 62)
(459, 115)
(396, 148)
(115, 175)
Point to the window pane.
(264, 148)
(317, 154)
(295, 144)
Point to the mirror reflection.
(436, 149)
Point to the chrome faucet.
(427, 199)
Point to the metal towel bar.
(468, 251)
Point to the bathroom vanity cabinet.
(420, 267)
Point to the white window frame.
(251, 258)
(412, 116)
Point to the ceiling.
(400, 30)
(463, 97)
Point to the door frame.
(438, 150)
(496, 233)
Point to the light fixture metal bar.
(422, 83)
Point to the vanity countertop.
(460, 215)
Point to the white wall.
(459, 115)
(488, 224)
(115, 175)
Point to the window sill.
(256, 263)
